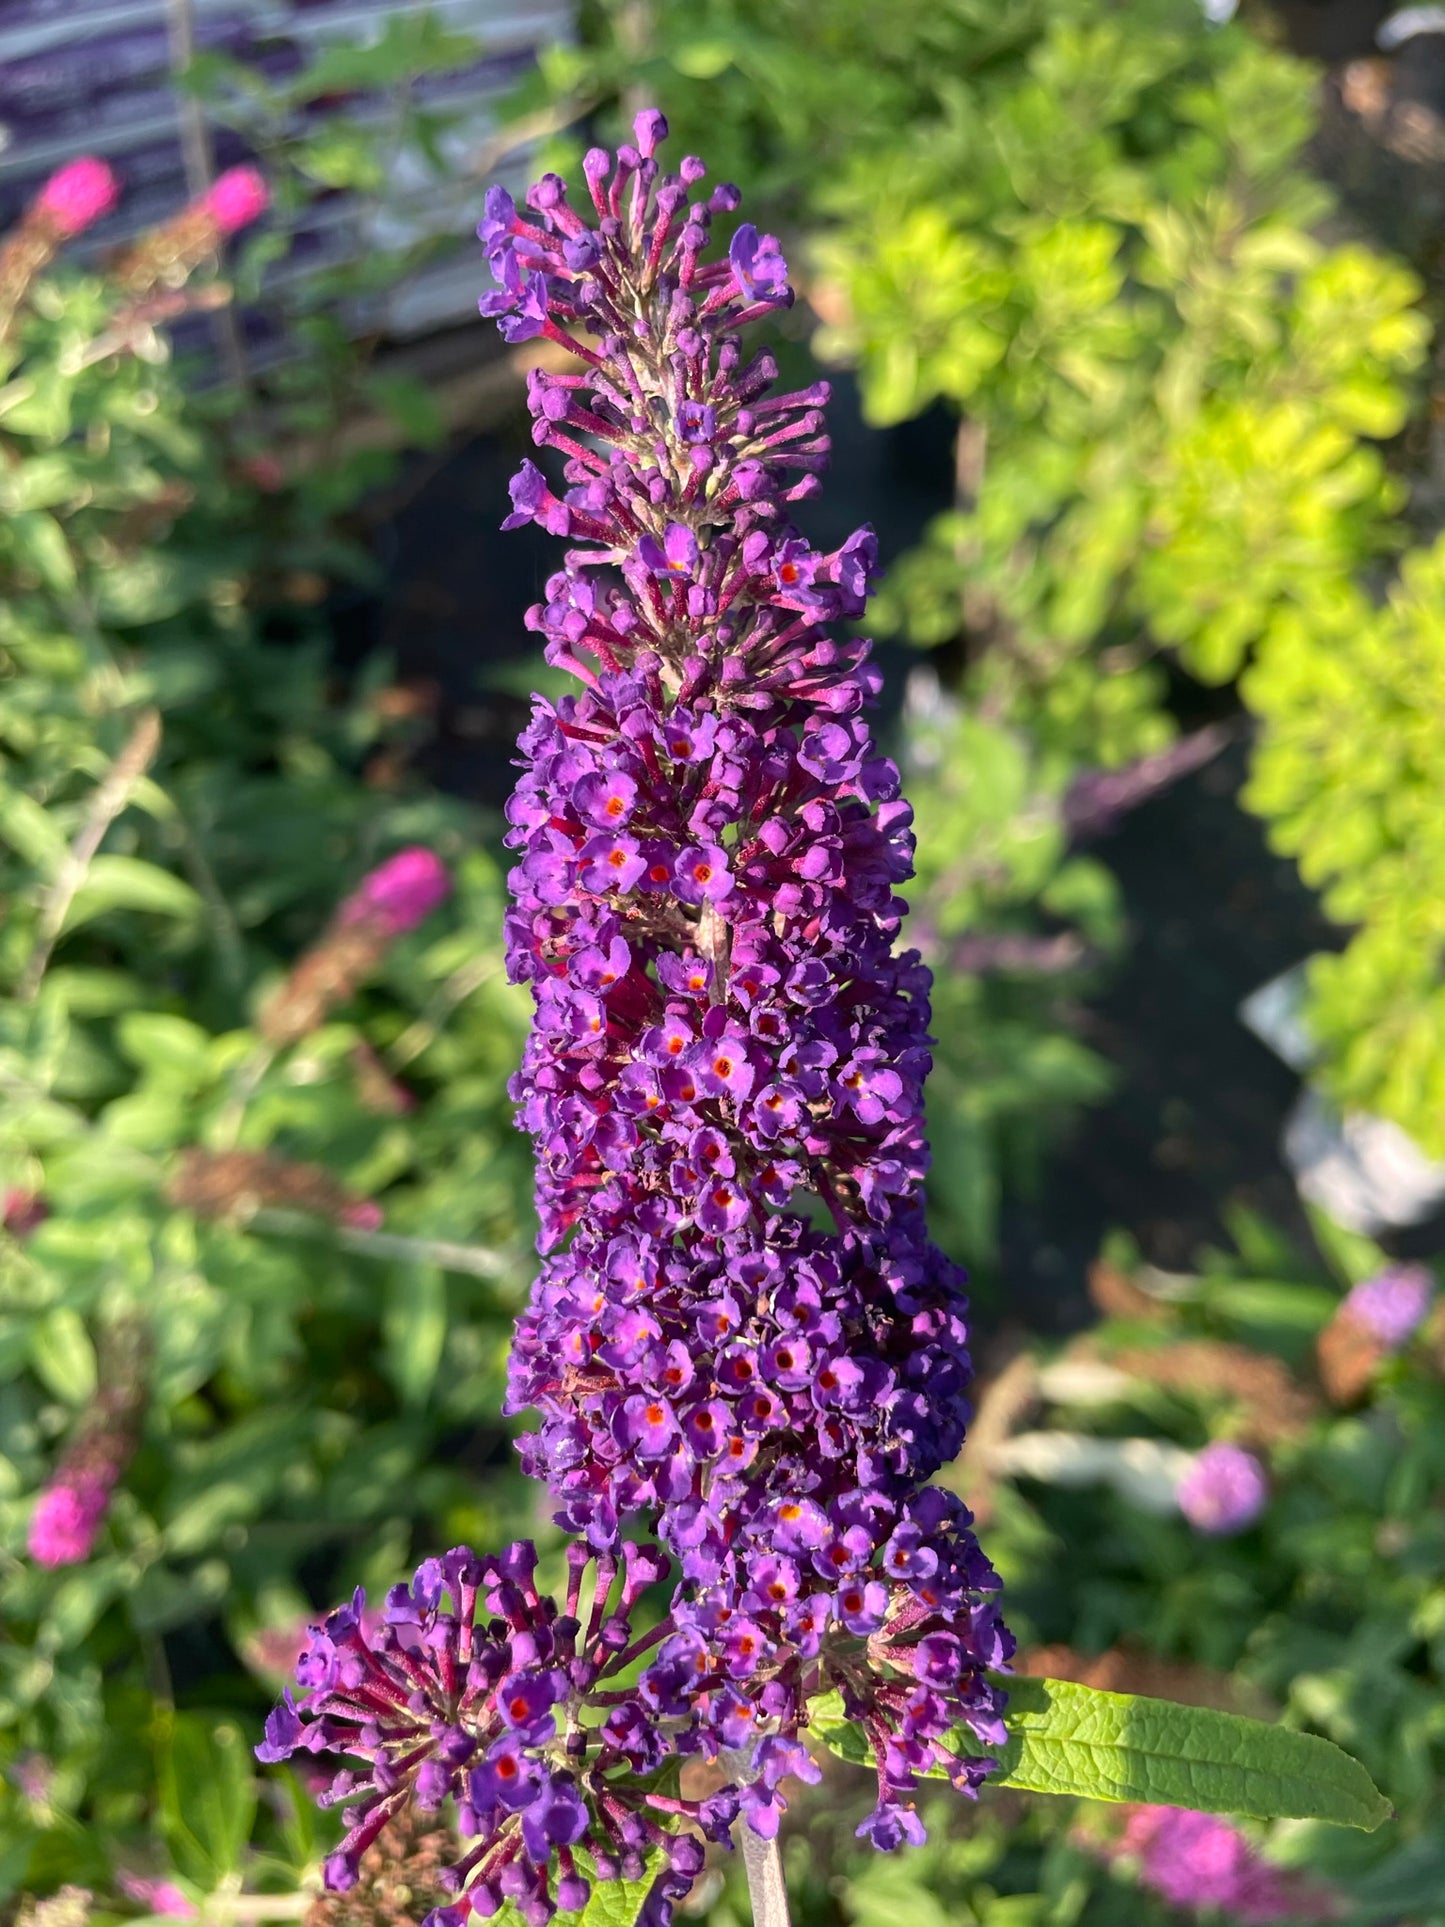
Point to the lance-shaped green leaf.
(614, 1903)
(1071, 1739)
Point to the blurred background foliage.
(265, 1215)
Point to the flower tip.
(64, 1524)
(401, 892)
(79, 194)
(236, 198)
(650, 127)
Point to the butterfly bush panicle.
(77, 196)
(741, 1330)
(478, 1690)
(742, 1340)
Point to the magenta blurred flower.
(65, 1521)
(1391, 1305)
(1199, 1861)
(1224, 1490)
(401, 892)
(78, 194)
(236, 198)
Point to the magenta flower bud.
(1224, 1490)
(1392, 1305)
(237, 198)
(22, 1211)
(401, 893)
(77, 195)
(65, 1521)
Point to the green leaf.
(838, 1733)
(31, 831)
(208, 1796)
(40, 544)
(168, 1047)
(617, 1903)
(125, 883)
(63, 1356)
(414, 1325)
(614, 1903)
(1065, 1738)
(1075, 1740)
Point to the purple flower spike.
(1224, 1491)
(741, 1336)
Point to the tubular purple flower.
(708, 849)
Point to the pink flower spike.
(400, 892)
(78, 194)
(64, 1523)
(238, 197)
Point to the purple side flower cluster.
(476, 1689)
(741, 1330)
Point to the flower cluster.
(741, 1329)
(77, 195)
(741, 1337)
(477, 1689)
(1198, 1861)
(1224, 1490)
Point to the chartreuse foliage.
(1350, 772)
(1075, 1740)
(1179, 385)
